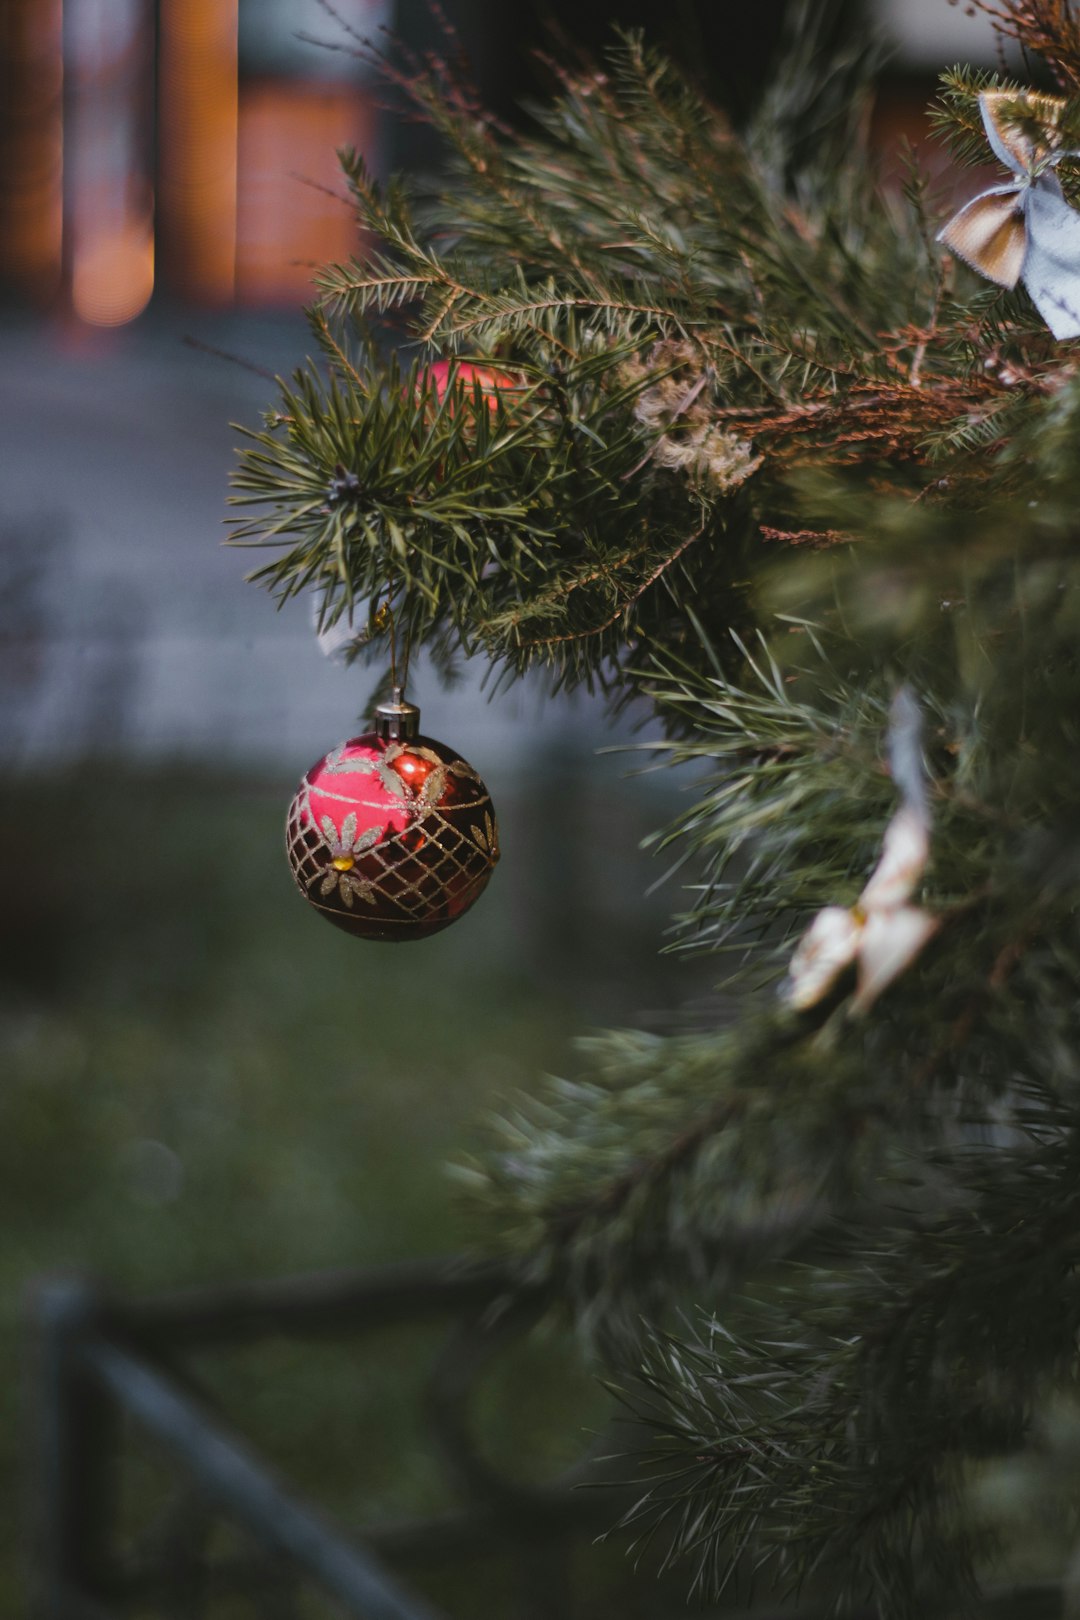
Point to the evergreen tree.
(727, 430)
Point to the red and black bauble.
(391, 835)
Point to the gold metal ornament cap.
(397, 721)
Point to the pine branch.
(1046, 28)
(769, 1421)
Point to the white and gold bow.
(1024, 230)
(882, 933)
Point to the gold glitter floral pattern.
(343, 851)
(487, 837)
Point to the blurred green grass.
(201, 1081)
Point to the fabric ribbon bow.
(882, 933)
(1024, 231)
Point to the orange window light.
(110, 213)
(197, 166)
(31, 145)
(293, 212)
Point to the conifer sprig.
(636, 235)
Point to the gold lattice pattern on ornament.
(396, 873)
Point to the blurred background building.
(157, 145)
(167, 170)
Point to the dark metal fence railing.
(102, 1360)
(102, 1363)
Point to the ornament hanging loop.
(397, 721)
(388, 608)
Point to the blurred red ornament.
(391, 836)
(492, 382)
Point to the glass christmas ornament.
(391, 836)
(492, 382)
